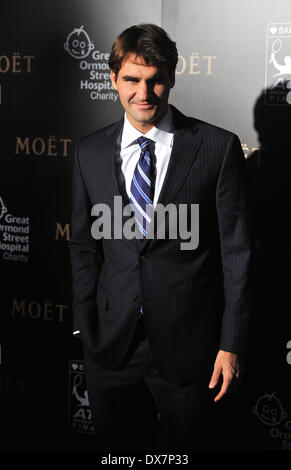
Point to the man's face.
(143, 91)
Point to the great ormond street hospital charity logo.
(14, 235)
(269, 410)
(95, 79)
(78, 44)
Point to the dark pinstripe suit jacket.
(194, 301)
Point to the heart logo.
(74, 366)
(273, 30)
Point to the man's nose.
(143, 91)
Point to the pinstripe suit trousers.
(134, 408)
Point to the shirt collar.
(162, 134)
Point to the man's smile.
(143, 105)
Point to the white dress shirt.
(128, 153)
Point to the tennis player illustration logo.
(77, 382)
(283, 69)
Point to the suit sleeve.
(85, 252)
(236, 244)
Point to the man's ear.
(113, 79)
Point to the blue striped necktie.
(143, 186)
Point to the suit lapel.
(187, 140)
(184, 152)
(110, 153)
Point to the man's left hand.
(229, 365)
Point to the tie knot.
(144, 142)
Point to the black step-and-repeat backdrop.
(55, 87)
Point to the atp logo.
(278, 62)
(78, 44)
(80, 416)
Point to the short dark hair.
(145, 40)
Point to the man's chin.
(145, 115)
(149, 116)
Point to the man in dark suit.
(160, 326)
